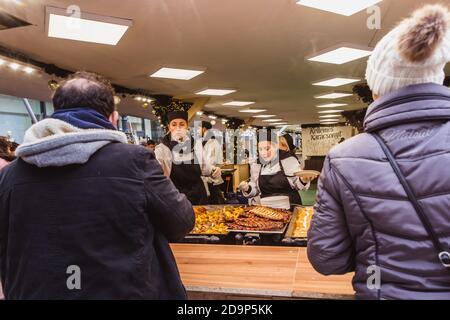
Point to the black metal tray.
(239, 236)
(289, 239)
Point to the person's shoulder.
(8, 175)
(125, 154)
(359, 146)
(125, 149)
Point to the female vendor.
(274, 172)
(182, 159)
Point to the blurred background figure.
(6, 152)
(149, 144)
(213, 154)
(287, 144)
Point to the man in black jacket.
(84, 215)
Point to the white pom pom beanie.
(393, 66)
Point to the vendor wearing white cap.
(182, 159)
(274, 173)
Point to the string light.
(14, 66)
(28, 70)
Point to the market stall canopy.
(256, 47)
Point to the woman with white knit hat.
(383, 204)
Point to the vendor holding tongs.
(275, 178)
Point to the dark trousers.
(216, 196)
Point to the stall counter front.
(253, 272)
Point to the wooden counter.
(236, 272)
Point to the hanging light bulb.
(116, 100)
(53, 85)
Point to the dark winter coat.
(86, 198)
(363, 217)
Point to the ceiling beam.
(197, 106)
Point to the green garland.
(161, 110)
(235, 123)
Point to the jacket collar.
(56, 143)
(414, 103)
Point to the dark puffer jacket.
(111, 216)
(363, 217)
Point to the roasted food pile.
(254, 218)
(213, 221)
(257, 218)
(303, 222)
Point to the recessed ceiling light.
(264, 116)
(252, 110)
(215, 92)
(239, 103)
(212, 117)
(333, 95)
(331, 116)
(199, 113)
(178, 74)
(88, 27)
(346, 8)
(336, 82)
(14, 66)
(273, 120)
(331, 111)
(341, 55)
(332, 105)
(28, 70)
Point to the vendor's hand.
(216, 173)
(307, 179)
(244, 186)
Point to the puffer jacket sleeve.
(330, 247)
(168, 210)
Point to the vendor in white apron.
(213, 154)
(273, 175)
(182, 159)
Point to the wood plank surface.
(253, 270)
(309, 283)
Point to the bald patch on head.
(85, 90)
(80, 84)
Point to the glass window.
(14, 118)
